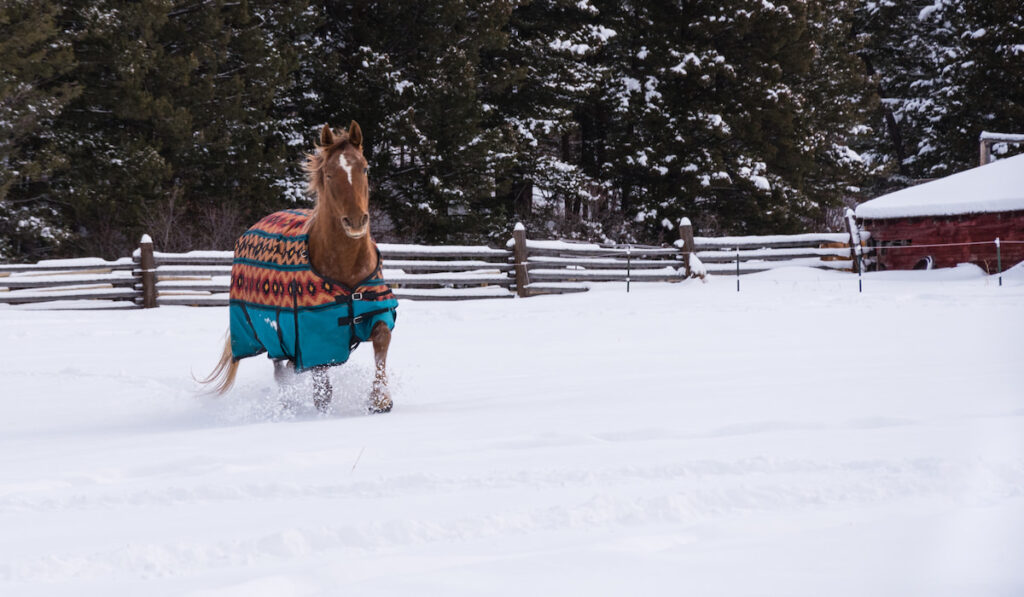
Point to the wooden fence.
(522, 268)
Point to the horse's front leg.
(380, 397)
(322, 390)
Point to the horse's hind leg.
(284, 375)
(380, 397)
(322, 390)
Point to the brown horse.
(343, 269)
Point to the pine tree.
(982, 82)
(837, 105)
(114, 130)
(409, 74)
(531, 88)
(190, 118)
(946, 71)
(896, 57)
(714, 111)
(179, 131)
(241, 159)
(33, 57)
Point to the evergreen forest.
(604, 120)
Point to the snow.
(680, 439)
(725, 242)
(204, 255)
(697, 268)
(470, 250)
(928, 10)
(67, 279)
(994, 187)
(584, 249)
(582, 274)
(990, 136)
(603, 33)
(70, 264)
(747, 265)
(453, 293)
(401, 86)
(776, 253)
(85, 291)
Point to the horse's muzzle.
(353, 232)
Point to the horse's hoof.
(378, 406)
(322, 404)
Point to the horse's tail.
(224, 373)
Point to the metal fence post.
(999, 262)
(629, 260)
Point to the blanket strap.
(362, 317)
(368, 295)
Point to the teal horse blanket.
(281, 306)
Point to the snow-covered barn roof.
(998, 186)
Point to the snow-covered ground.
(795, 438)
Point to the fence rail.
(522, 268)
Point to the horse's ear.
(355, 134)
(326, 136)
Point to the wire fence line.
(996, 242)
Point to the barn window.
(884, 244)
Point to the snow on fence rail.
(523, 268)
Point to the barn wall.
(949, 229)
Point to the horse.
(306, 285)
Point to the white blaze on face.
(343, 162)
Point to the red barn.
(975, 206)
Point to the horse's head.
(338, 176)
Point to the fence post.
(855, 248)
(686, 235)
(629, 261)
(519, 256)
(147, 263)
(999, 261)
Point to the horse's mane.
(315, 161)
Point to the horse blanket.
(280, 305)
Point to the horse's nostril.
(365, 220)
(346, 221)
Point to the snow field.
(795, 438)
